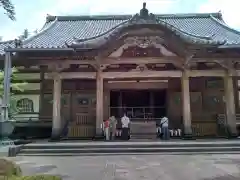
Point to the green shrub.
(37, 177)
(10, 171)
(8, 168)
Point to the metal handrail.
(138, 112)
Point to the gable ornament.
(144, 17)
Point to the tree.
(9, 8)
(16, 87)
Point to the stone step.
(130, 147)
(144, 136)
(143, 128)
(119, 154)
(130, 150)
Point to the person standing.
(107, 129)
(118, 128)
(125, 127)
(113, 124)
(164, 128)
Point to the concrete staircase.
(130, 147)
(143, 130)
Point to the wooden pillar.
(187, 124)
(106, 103)
(230, 106)
(41, 99)
(56, 126)
(120, 104)
(7, 85)
(236, 97)
(99, 103)
(151, 103)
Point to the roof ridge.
(41, 31)
(224, 25)
(88, 17)
(50, 18)
(190, 15)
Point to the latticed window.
(25, 105)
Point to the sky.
(31, 14)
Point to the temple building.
(83, 69)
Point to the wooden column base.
(187, 134)
(231, 132)
(99, 135)
(56, 134)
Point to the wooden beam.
(108, 61)
(131, 74)
(74, 75)
(206, 73)
(207, 59)
(141, 60)
(141, 74)
(66, 62)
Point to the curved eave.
(46, 27)
(230, 46)
(37, 49)
(100, 40)
(222, 23)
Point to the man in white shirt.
(164, 128)
(125, 127)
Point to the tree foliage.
(15, 87)
(9, 8)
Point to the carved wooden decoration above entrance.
(147, 46)
(140, 68)
(143, 42)
(141, 52)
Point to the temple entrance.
(143, 107)
(138, 104)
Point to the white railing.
(138, 112)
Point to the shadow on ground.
(226, 177)
(227, 161)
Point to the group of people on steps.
(113, 128)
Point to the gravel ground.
(135, 167)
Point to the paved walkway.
(135, 167)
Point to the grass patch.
(37, 177)
(10, 171)
(8, 168)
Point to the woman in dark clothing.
(118, 129)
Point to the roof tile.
(61, 30)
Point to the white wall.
(34, 97)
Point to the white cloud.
(229, 9)
(130, 6)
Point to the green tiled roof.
(62, 31)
